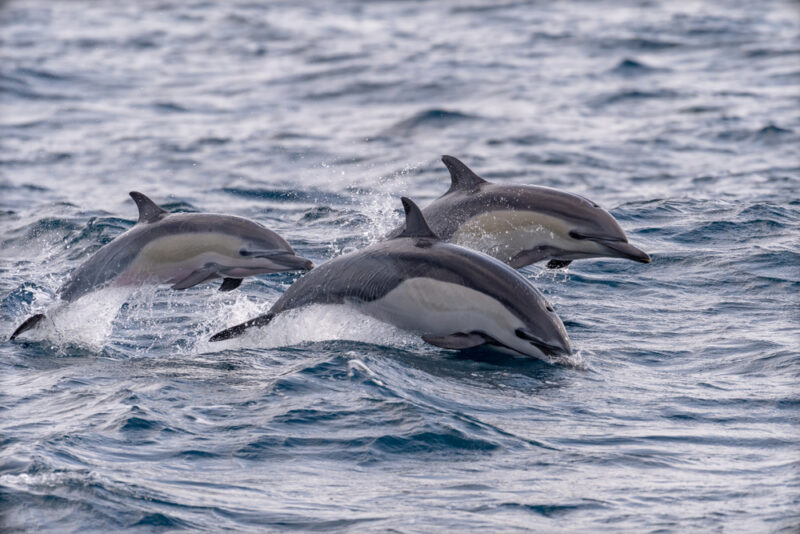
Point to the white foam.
(48, 480)
(381, 207)
(87, 322)
(357, 368)
(307, 325)
(575, 360)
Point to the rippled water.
(681, 412)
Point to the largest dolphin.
(456, 298)
(182, 249)
(524, 224)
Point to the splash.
(357, 369)
(319, 322)
(382, 207)
(87, 322)
(576, 360)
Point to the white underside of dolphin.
(449, 315)
(186, 260)
(506, 234)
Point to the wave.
(631, 67)
(435, 119)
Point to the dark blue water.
(681, 409)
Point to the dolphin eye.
(549, 308)
(244, 252)
(575, 235)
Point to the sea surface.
(680, 409)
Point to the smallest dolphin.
(523, 224)
(182, 249)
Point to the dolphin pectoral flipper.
(529, 256)
(29, 323)
(558, 264)
(209, 272)
(229, 284)
(458, 340)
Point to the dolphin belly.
(183, 248)
(169, 272)
(438, 309)
(191, 258)
(509, 234)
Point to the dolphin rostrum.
(182, 249)
(456, 298)
(523, 224)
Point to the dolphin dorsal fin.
(462, 178)
(416, 226)
(149, 211)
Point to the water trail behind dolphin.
(87, 322)
(310, 324)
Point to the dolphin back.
(101, 269)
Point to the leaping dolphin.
(182, 249)
(523, 224)
(456, 298)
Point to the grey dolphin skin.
(456, 298)
(523, 224)
(182, 249)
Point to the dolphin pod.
(182, 249)
(422, 278)
(524, 224)
(456, 298)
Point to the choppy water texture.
(681, 412)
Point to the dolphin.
(182, 249)
(523, 224)
(455, 297)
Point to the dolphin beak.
(552, 350)
(558, 346)
(292, 262)
(626, 250)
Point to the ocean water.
(680, 411)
